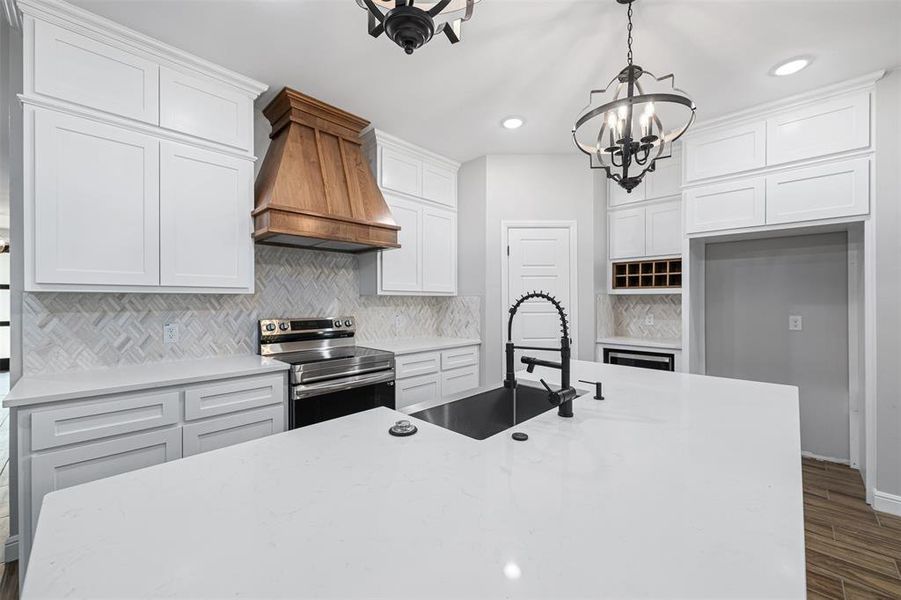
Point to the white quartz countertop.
(412, 345)
(676, 486)
(666, 344)
(68, 385)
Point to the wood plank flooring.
(853, 552)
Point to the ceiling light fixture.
(791, 66)
(411, 23)
(634, 126)
(512, 123)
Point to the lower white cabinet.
(726, 205)
(66, 443)
(646, 231)
(435, 375)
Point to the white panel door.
(539, 260)
(414, 390)
(72, 67)
(205, 108)
(401, 268)
(725, 150)
(60, 469)
(439, 251)
(726, 206)
(439, 185)
(96, 203)
(229, 430)
(401, 172)
(627, 233)
(821, 192)
(836, 125)
(205, 204)
(666, 180)
(618, 196)
(663, 229)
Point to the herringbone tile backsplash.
(623, 315)
(81, 331)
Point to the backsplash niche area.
(652, 316)
(62, 331)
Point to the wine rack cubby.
(664, 273)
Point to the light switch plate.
(170, 333)
(795, 323)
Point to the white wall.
(751, 289)
(550, 187)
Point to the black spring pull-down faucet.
(562, 398)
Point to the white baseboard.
(840, 461)
(887, 503)
(11, 549)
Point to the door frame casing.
(573, 312)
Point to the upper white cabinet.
(626, 230)
(643, 232)
(96, 202)
(822, 192)
(205, 237)
(620, 197)
(725, 150)
(138, 161)
(75, 68)
(202, 107)
(664, 182)
(726, 206)
(420, 188)
(836, 125)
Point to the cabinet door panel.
(72, 67)
(460, 380)
(417, 389)
(822, 192)
(401, 172)
(96, 203)
(205, 204)
(64, 468)
(205, 108)
(439, 185)
(666, 180)
(627, 233)
(836, 125)
(725, 150)
(221, 432)
(439, 251)
(663, 229)
(726, 206)
(401, 269)
(618, 196)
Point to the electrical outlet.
(398, 322)
(649, 320)
(170, 333)
(795, 323)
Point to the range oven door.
(324, 400)
(661, 361)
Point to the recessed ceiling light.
(791, 66)
(512, 123)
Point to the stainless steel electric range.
(330, 375)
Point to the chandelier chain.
(629, 54)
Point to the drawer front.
(459, 380)
(725, 151)
(459, 357)
(837, 125)
(205, 108)
(822, 192)
(72, 67)
(439, 185)
(229, 430)
(60, 469)
(411, 365)
(114, 416)
(401, 172)
(414, 390)
(232, 396)
(726, 206)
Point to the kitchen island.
(676, 485)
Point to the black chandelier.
(624, 146)
(411, 24)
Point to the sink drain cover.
(403, 429)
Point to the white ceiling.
(533, 58)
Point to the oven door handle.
(336, 385)
(358, 371)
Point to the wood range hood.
(315, 189)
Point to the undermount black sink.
(488, 413)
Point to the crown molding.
(864, 82)
(71, 17)
(11, 14)
(377, 136)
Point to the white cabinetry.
(421, 190)
(664, 182)
(65, 443)
(822, 192)
(138, 161)
(646, 231)
(429, 377)
(627, 233)
(726, 206)
(725, 150)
